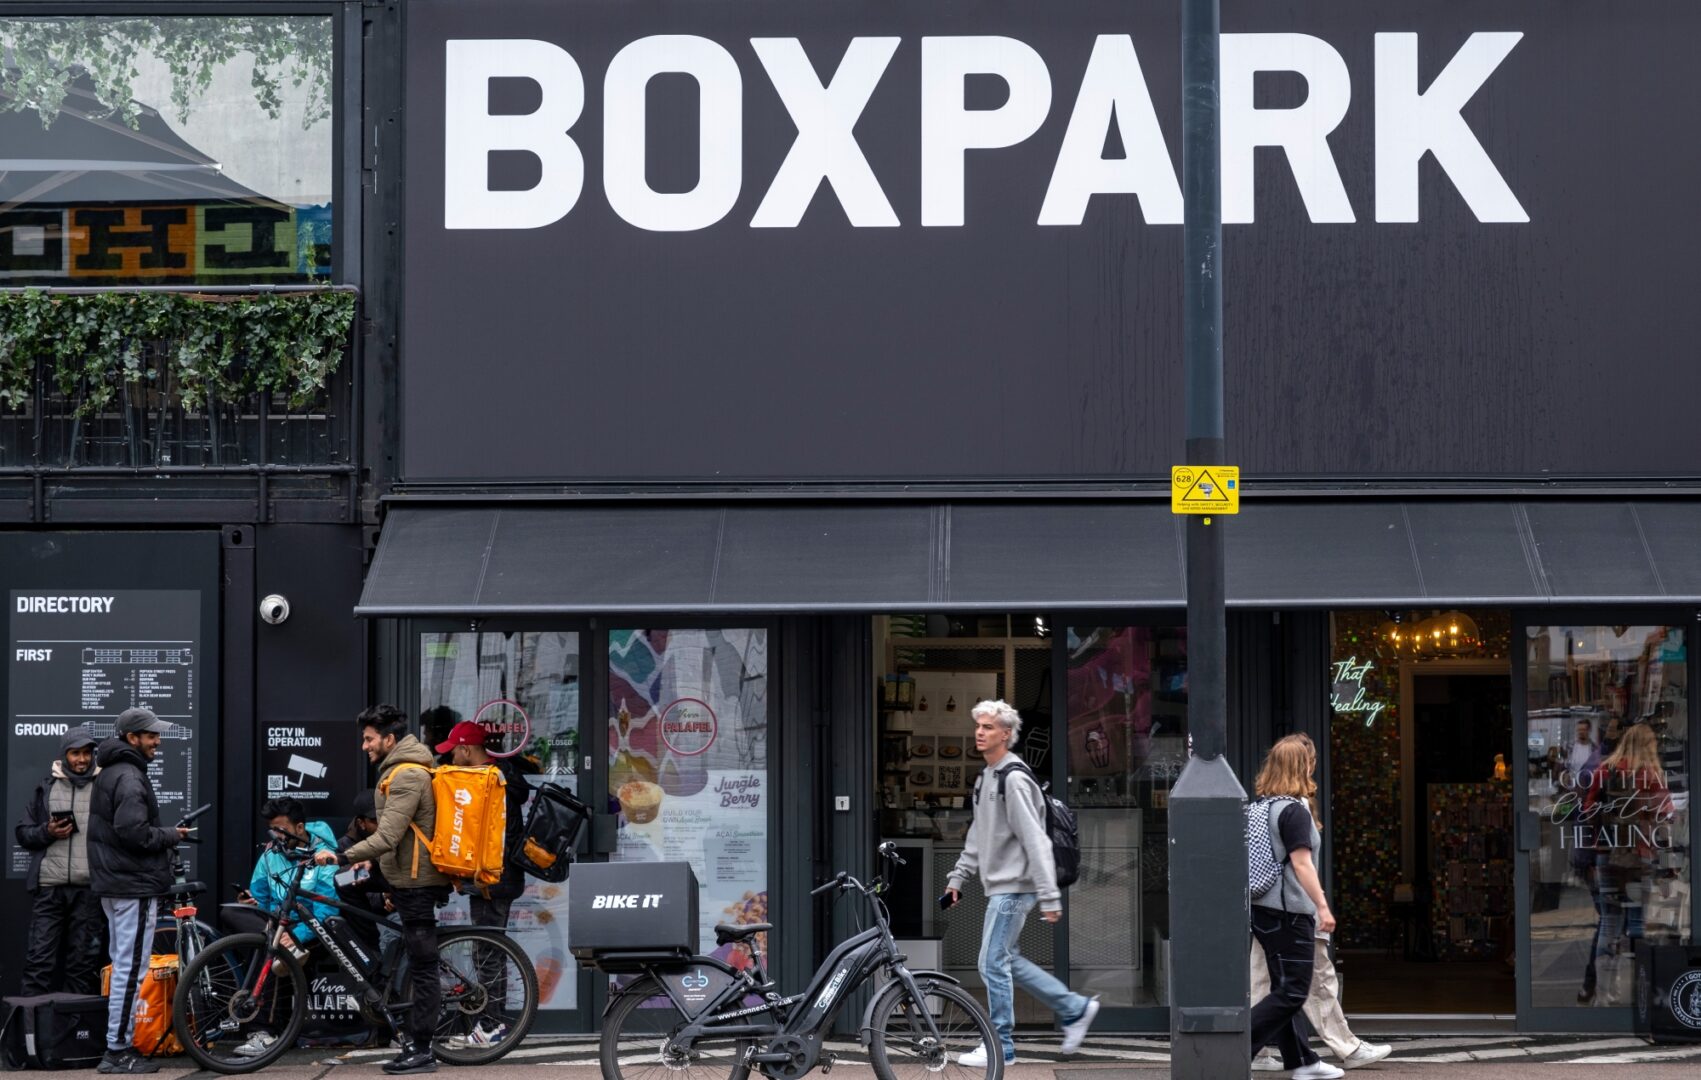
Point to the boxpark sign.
(685, 240)
(1111, 98)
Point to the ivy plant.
(215, 348)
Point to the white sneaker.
(1366, 1054)
(479, 1036)
(1317, 1070)
(256, 1045)
(1076, 1033)
(976, 1058)
(1266, 1063)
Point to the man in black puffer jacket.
(129, 868)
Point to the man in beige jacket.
(403, 801)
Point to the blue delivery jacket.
(272, 873)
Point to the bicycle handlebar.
(837, 883)
(187, 819)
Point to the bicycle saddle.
(726, 933)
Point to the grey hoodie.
(1007, 843)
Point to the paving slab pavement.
(1465, 1057)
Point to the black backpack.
(546, 844)
(1060, 824)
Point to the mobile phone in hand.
(64, 817)
(945, 902)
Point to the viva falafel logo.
(689, 727)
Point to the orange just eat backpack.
(471, 833)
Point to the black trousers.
(1288, 942)
(65, 920)
(418, 909)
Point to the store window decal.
(688, 765)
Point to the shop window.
(165, 150)
(688, 765)
(1608, 785)
(524, 688)
(933, 670)
(1127, 743)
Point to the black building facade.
(743, 395)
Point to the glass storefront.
(1114, 751)
(1447, 732)
(1127, 740)
(1608, 710)
(524, 687)
(688, 765)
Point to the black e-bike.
(702, 1018)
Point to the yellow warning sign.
(1204, 489)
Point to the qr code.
(274, 782)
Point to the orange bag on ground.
(152, 1035)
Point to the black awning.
(856, 556)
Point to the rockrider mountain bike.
(701, 1017)
(247, 985)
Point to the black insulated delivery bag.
(545, 848)
(54, 1031)
(623, 917)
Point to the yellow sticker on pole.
(1204, 489)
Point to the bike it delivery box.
(622, 917)
(54, 1031)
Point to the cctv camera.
(274, 609)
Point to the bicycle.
(256, 983)
(188, 934)
(920, 1021)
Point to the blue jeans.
(999, 961)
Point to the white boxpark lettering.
(470, 133)
(825, 148)
(1409, 122)
(1302, 132)
(720, 141)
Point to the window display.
(524, 687)
(688, 765)
(1127, 742)
(1609, 787)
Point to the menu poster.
(688, 767)
(81, 657)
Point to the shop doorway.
(1421, 805)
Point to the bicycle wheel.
(903, 1045)
(489, 997)
(637, 1041)
(240, 1004)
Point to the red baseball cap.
(465, 733)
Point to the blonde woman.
(1323, 1003)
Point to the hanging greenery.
(43, 56)
(215, 348)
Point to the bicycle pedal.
(827, 1063)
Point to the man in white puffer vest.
(66, 922)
